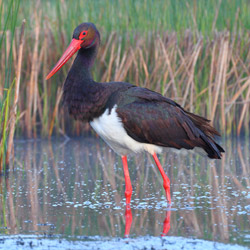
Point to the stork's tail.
(213, 149)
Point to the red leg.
(128, 220)
(166, 181)
(128, 186)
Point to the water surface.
(73, 191)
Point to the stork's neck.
(81, 68)
(84, 97)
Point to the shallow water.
(73, 191)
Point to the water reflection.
(129, 219)
(77, 189)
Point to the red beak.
(74, 46)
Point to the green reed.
(8, 22)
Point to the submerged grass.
(196, 52)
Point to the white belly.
(110, 128)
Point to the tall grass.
(8, 21)
(196, 52)
(142, 16)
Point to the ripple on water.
(79, 192)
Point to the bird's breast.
(110, 127)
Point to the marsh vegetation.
(194, 52)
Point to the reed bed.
(8, 94)
(195, 52)
(206, 76)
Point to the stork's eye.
(83, 34)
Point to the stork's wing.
(156, 123)
(151, 118)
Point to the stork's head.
(85, 36)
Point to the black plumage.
(147, 116)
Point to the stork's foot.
(128, 194)
(166, 181)
(166, 186)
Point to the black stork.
(130, 119)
